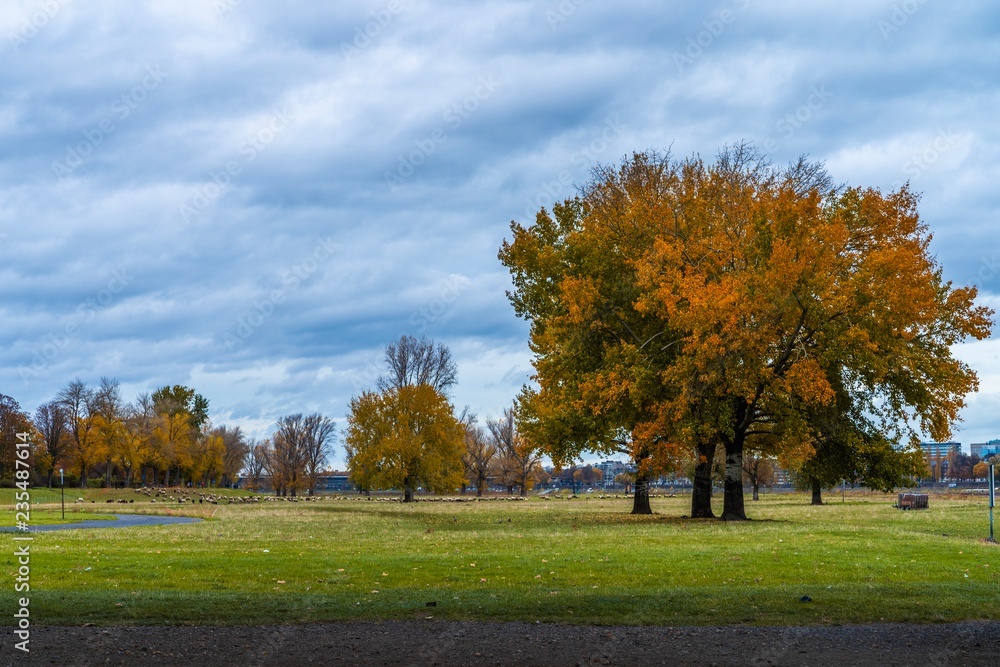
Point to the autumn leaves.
(678, 307)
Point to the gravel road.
(447, 643)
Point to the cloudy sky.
(252, 198)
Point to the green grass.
(580, 561)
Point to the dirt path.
(447, 643)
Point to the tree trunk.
(817, 490)
(756, 490)
(701, 496)
(733, 508)
(640, 501)
(407, 491)
(480, 487)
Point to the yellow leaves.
(580, 296)
(407, 435)
(807, 380)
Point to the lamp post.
(62, 493)
(993, 496)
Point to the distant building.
(985, 450)
(611, 468)
(334, 480)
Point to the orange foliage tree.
(679, 305)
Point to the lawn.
(581, 561)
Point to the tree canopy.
(677, 305)
(403, 438)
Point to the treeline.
(97, 438)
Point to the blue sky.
(253, 198)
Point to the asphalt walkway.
(123, 521)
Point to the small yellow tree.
(403, 438)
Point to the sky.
(253, 198)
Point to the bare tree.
(236, 451)
(317, 432)
(519, 459)
(757, 469)
(287, 459)
(257, 462)
(480, 452)
(414, 361)
(51, 422)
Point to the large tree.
(702, 305)
(403, 438)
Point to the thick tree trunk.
(756, 490)
(733, 508)
(407, 491)
(817, 490)
(701, 496)
(640, 501)
(481, 487)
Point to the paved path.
(123, 521)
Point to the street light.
(993, 496)
(62, 492)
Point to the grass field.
(578, 561)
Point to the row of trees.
(293, 457)
(678, 308)
(161, 438)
